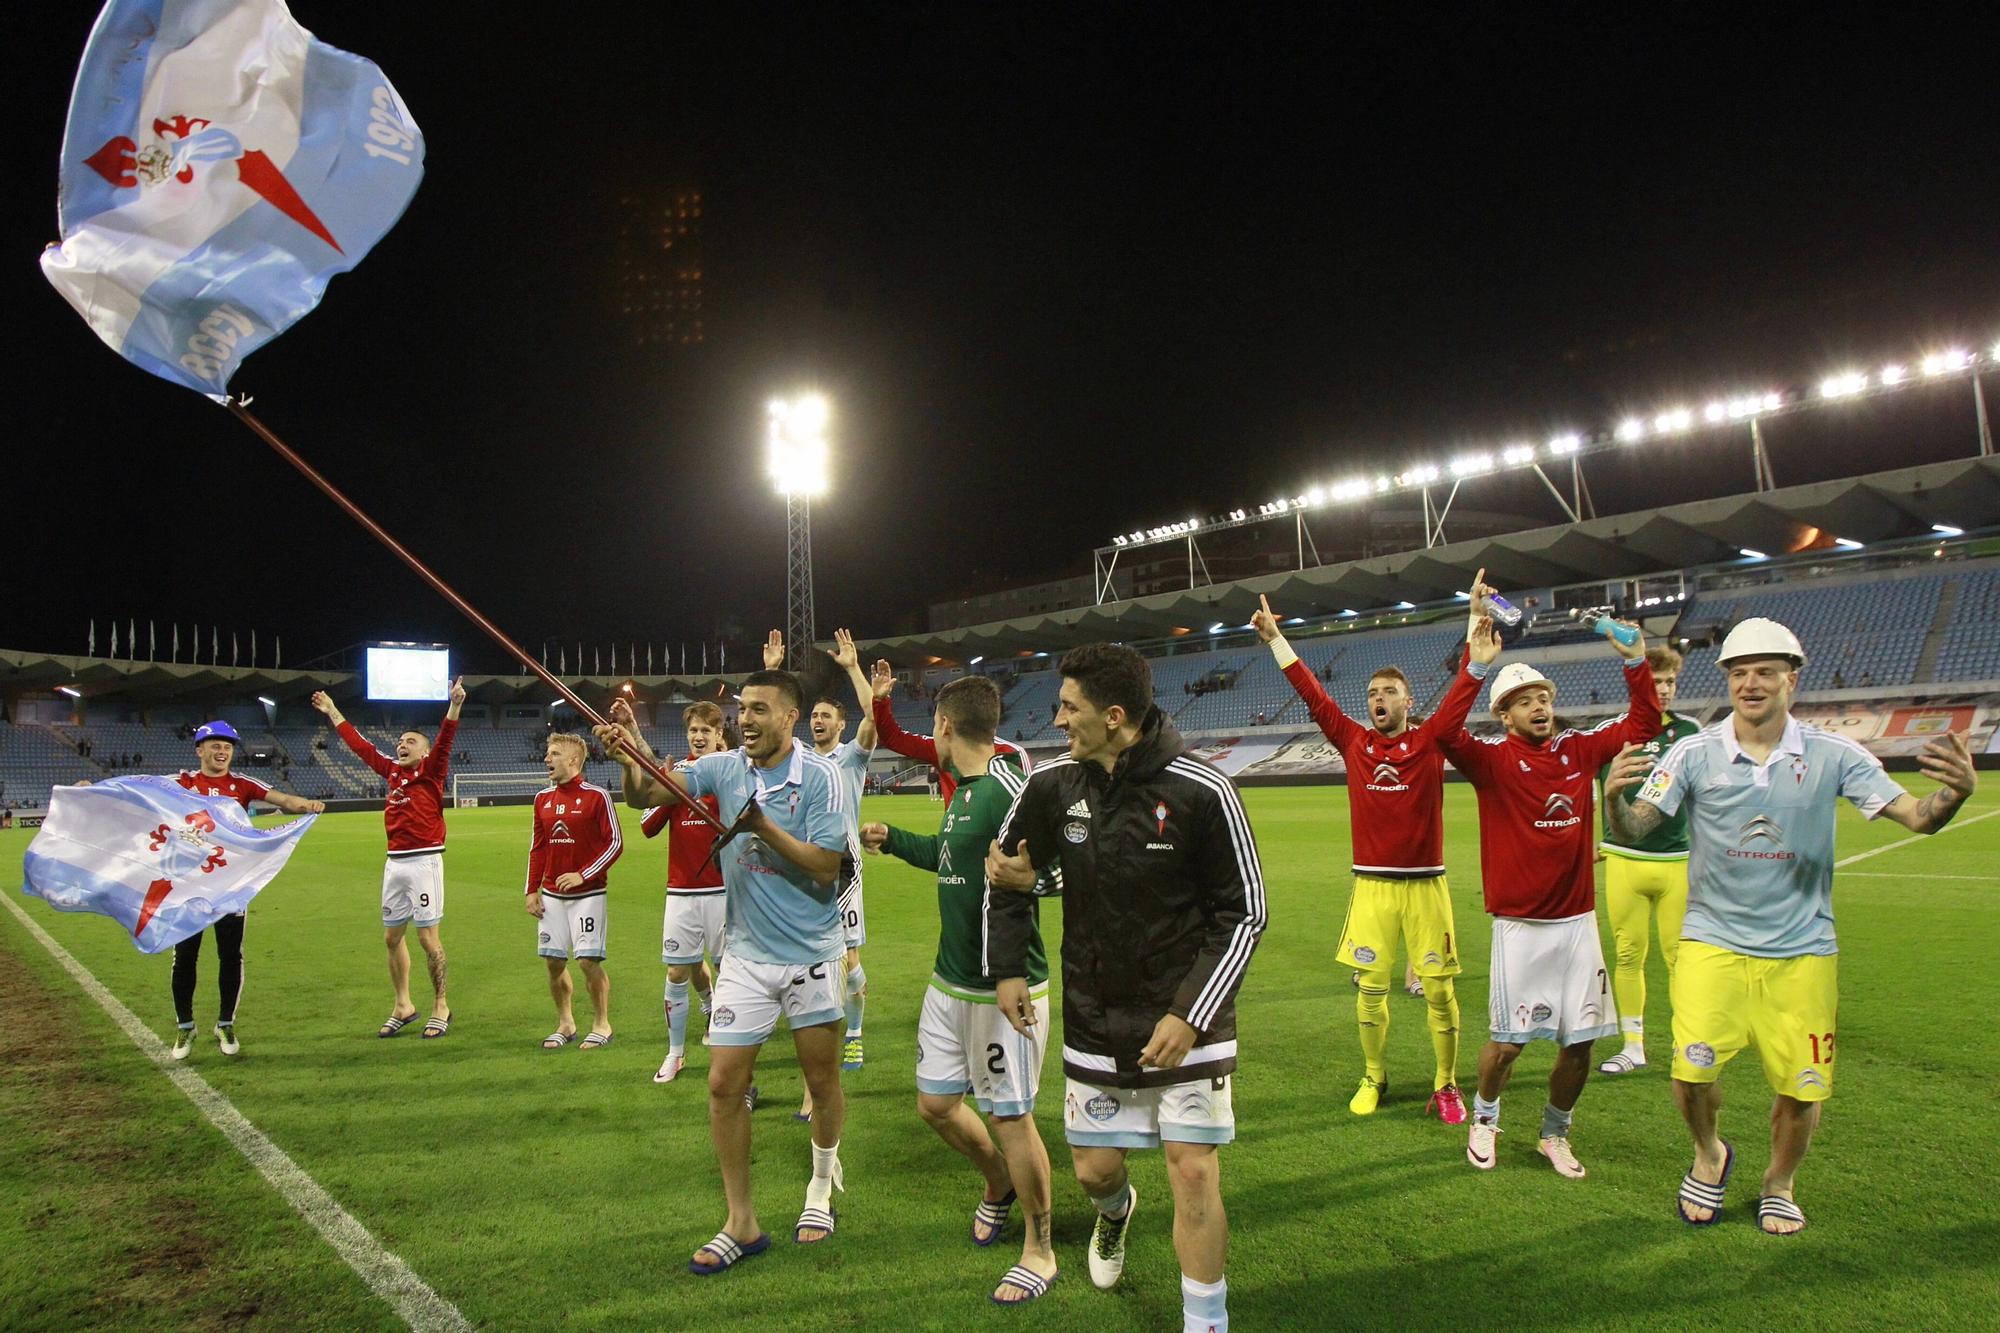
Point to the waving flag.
(220, 164)
(153, 856)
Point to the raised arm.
(1482, 647)
(351, 736)
(1641, 721)
(1333, 724)
(848, 658)
(438, 762)
(888, 732)
(1946, 761)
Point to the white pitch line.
(386, 1275)
(1905, 842)
(1921, 874)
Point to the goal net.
(469, 790)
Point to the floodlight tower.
(797, 463)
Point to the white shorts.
(572, 927)
(693, 924)
(1198, 1112)
(853, 915)
(965, 1045)
(1548, 982)
(413, 889)
(748, 998)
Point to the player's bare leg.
(818, 1049)
(1027, 1160)
(560, 991)
(433, 946)
(598, 983)
(729, 1074)
(1496, 1067)
(1792, 1125)
(1701, 1107)
(1201, 1228)
(962, 1129)
(399, 970)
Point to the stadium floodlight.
(1567, 444)
(1471, 465)
(1748, 554)
(1514, 455)
(796, 456)
(267, 702)
(1893, 375)
(70, 691)
(1381, 485)
(1349, 611)
(1406, 606)
(1848, 544)
(1118, 541)
(1674, 421)
(1945, 362)
(1844, 385)
(1715, 413)
(1630, 431)
(1947, 530)
(1419, 476)
(1316, 496)
(1354, 488)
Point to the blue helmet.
(217, 731)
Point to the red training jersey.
(235, 786)
(911, 746)
(1395, 784)
(1535, 805)
(414, 810)
(689, 869)
(576, 830)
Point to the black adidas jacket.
(1163, 901)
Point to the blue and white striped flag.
(220, 164)
(153, 856)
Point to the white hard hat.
(1512, 677)
(1758, 637)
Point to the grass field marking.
(1897, 874)
(386, 1275)
(1905, 842)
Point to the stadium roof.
(1882, 506)
(163, 682)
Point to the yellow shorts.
(1785, 1007)
(1416, 910)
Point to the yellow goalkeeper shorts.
(1418, 911)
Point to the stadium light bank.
(1566, 452)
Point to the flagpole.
(653, 769)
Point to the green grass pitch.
(536, 1189)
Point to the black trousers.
(229, 970)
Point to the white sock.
(1115, 1205)
(1204, 1305)
(677, 1017)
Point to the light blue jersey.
(775, 913)
(851, 762)
(1760, 874)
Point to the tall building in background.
(660, 266)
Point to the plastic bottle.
(1503, 611)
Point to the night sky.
(1062, 271)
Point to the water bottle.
(1601, 622)
(1503, 611)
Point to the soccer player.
(1395, 801)
(1645, 878)
(694, 913)
(1758, 957)
(1163, 905)
(1547, 980)
(890, 735)
(215, 746)
(850, 758)
(782, 950)
(964, 1044)
(413, 877)
(575, 841)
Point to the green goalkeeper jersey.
(1668, 842)
(956, 853)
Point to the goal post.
(471, 790)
